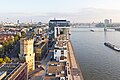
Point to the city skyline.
(76, 11)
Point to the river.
(97, 61)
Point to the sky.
(73, 10)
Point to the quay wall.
(74, 63)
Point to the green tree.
(1, 60)
(10, 41)
(1, 51)
(16, 37)
(6, 45)
(7, 59)
(23, 34)
(33, 34)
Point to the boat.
(92, 30)
(112, 46)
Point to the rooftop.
(10, 68)
(55, 70)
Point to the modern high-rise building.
(110, 21)
(18, 22)
(106, 21)
(58, 26)
(60, 23)
(27, 53)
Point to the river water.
(97, 61)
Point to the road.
(38, 74)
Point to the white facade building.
(60, 55)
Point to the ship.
(92, 30)
(114, 47)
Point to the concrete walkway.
(75, 69)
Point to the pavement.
(38, 75)
(74, 68)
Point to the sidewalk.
(75, 69)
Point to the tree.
(7, 59)
(23, 34)
(10, 41)
(16, 38)
(1, 51)
(33, 34)
(6, 44)
(1, 60)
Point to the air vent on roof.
(52, 64)
(62, 72)
(49, 73)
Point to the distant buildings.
(100, 25)
(110, 21)
(107, 21)
(27, 53)
(13, 71)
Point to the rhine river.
(97, 61)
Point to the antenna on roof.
(54, 18)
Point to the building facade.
(14, 71)
(41, 50)
(58, 26)
(27, 53)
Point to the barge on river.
(112, 46)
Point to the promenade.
(75, 71)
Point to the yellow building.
(27, 53)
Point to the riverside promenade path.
(74, 66)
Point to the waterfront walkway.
(76, 73)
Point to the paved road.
(46, 59)
(38, 75)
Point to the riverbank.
(75, 70)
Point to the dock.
(75, 70)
